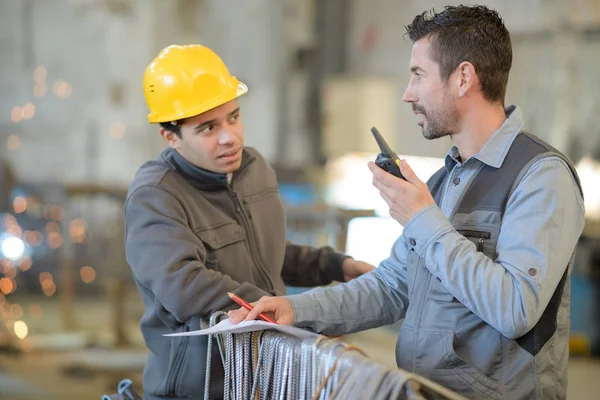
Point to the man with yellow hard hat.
(205, 218)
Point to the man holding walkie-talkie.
(481, 272)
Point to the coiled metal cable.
(214, 319)
(269, 365)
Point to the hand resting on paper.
(277, 308)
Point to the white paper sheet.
(226, 326)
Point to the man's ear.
(170, 138)
(466, 78)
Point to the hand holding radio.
(387, 160)
(405, 196)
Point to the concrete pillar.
(564, 114)
(248, 36)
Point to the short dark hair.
(174, 127)
(468, 33)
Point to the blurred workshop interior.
(321, 73)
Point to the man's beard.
(440, 122)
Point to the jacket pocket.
(412, 266)
(177, 357)
(484, 238)
(221, 235)
(458, 375)
(478, 237)
(256, 197)
(268, 205)
(438, 292)
(216, 239)
(405, 347)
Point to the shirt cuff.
(424, 228)
(303, 309)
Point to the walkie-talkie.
(387, 159)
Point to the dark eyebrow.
(416, 69)
(212, 121)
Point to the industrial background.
(320, 73)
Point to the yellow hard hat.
(184, 81)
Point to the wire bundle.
(272, 365)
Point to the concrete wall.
(554, 78)
(248, 35)
(101, 53)
(101, 47)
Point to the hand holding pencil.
(280, 307)
(248, 306)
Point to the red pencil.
(248, 307)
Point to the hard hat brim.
(240, 90)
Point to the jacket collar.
(199, 177)
(495, 149)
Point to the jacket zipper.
(175, 371)
(482, 235)
(251, 244)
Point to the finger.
(386, 179)
(408, 172)
(387, 198)
(260, 307)
(237, 316)
(377, 171)
(379, 174)
(389, 192)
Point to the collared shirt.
(492, 153)
(535, 213)
(543, 220)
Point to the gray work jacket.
(483, 287)
(191, 237)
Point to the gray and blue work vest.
(472, 358)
